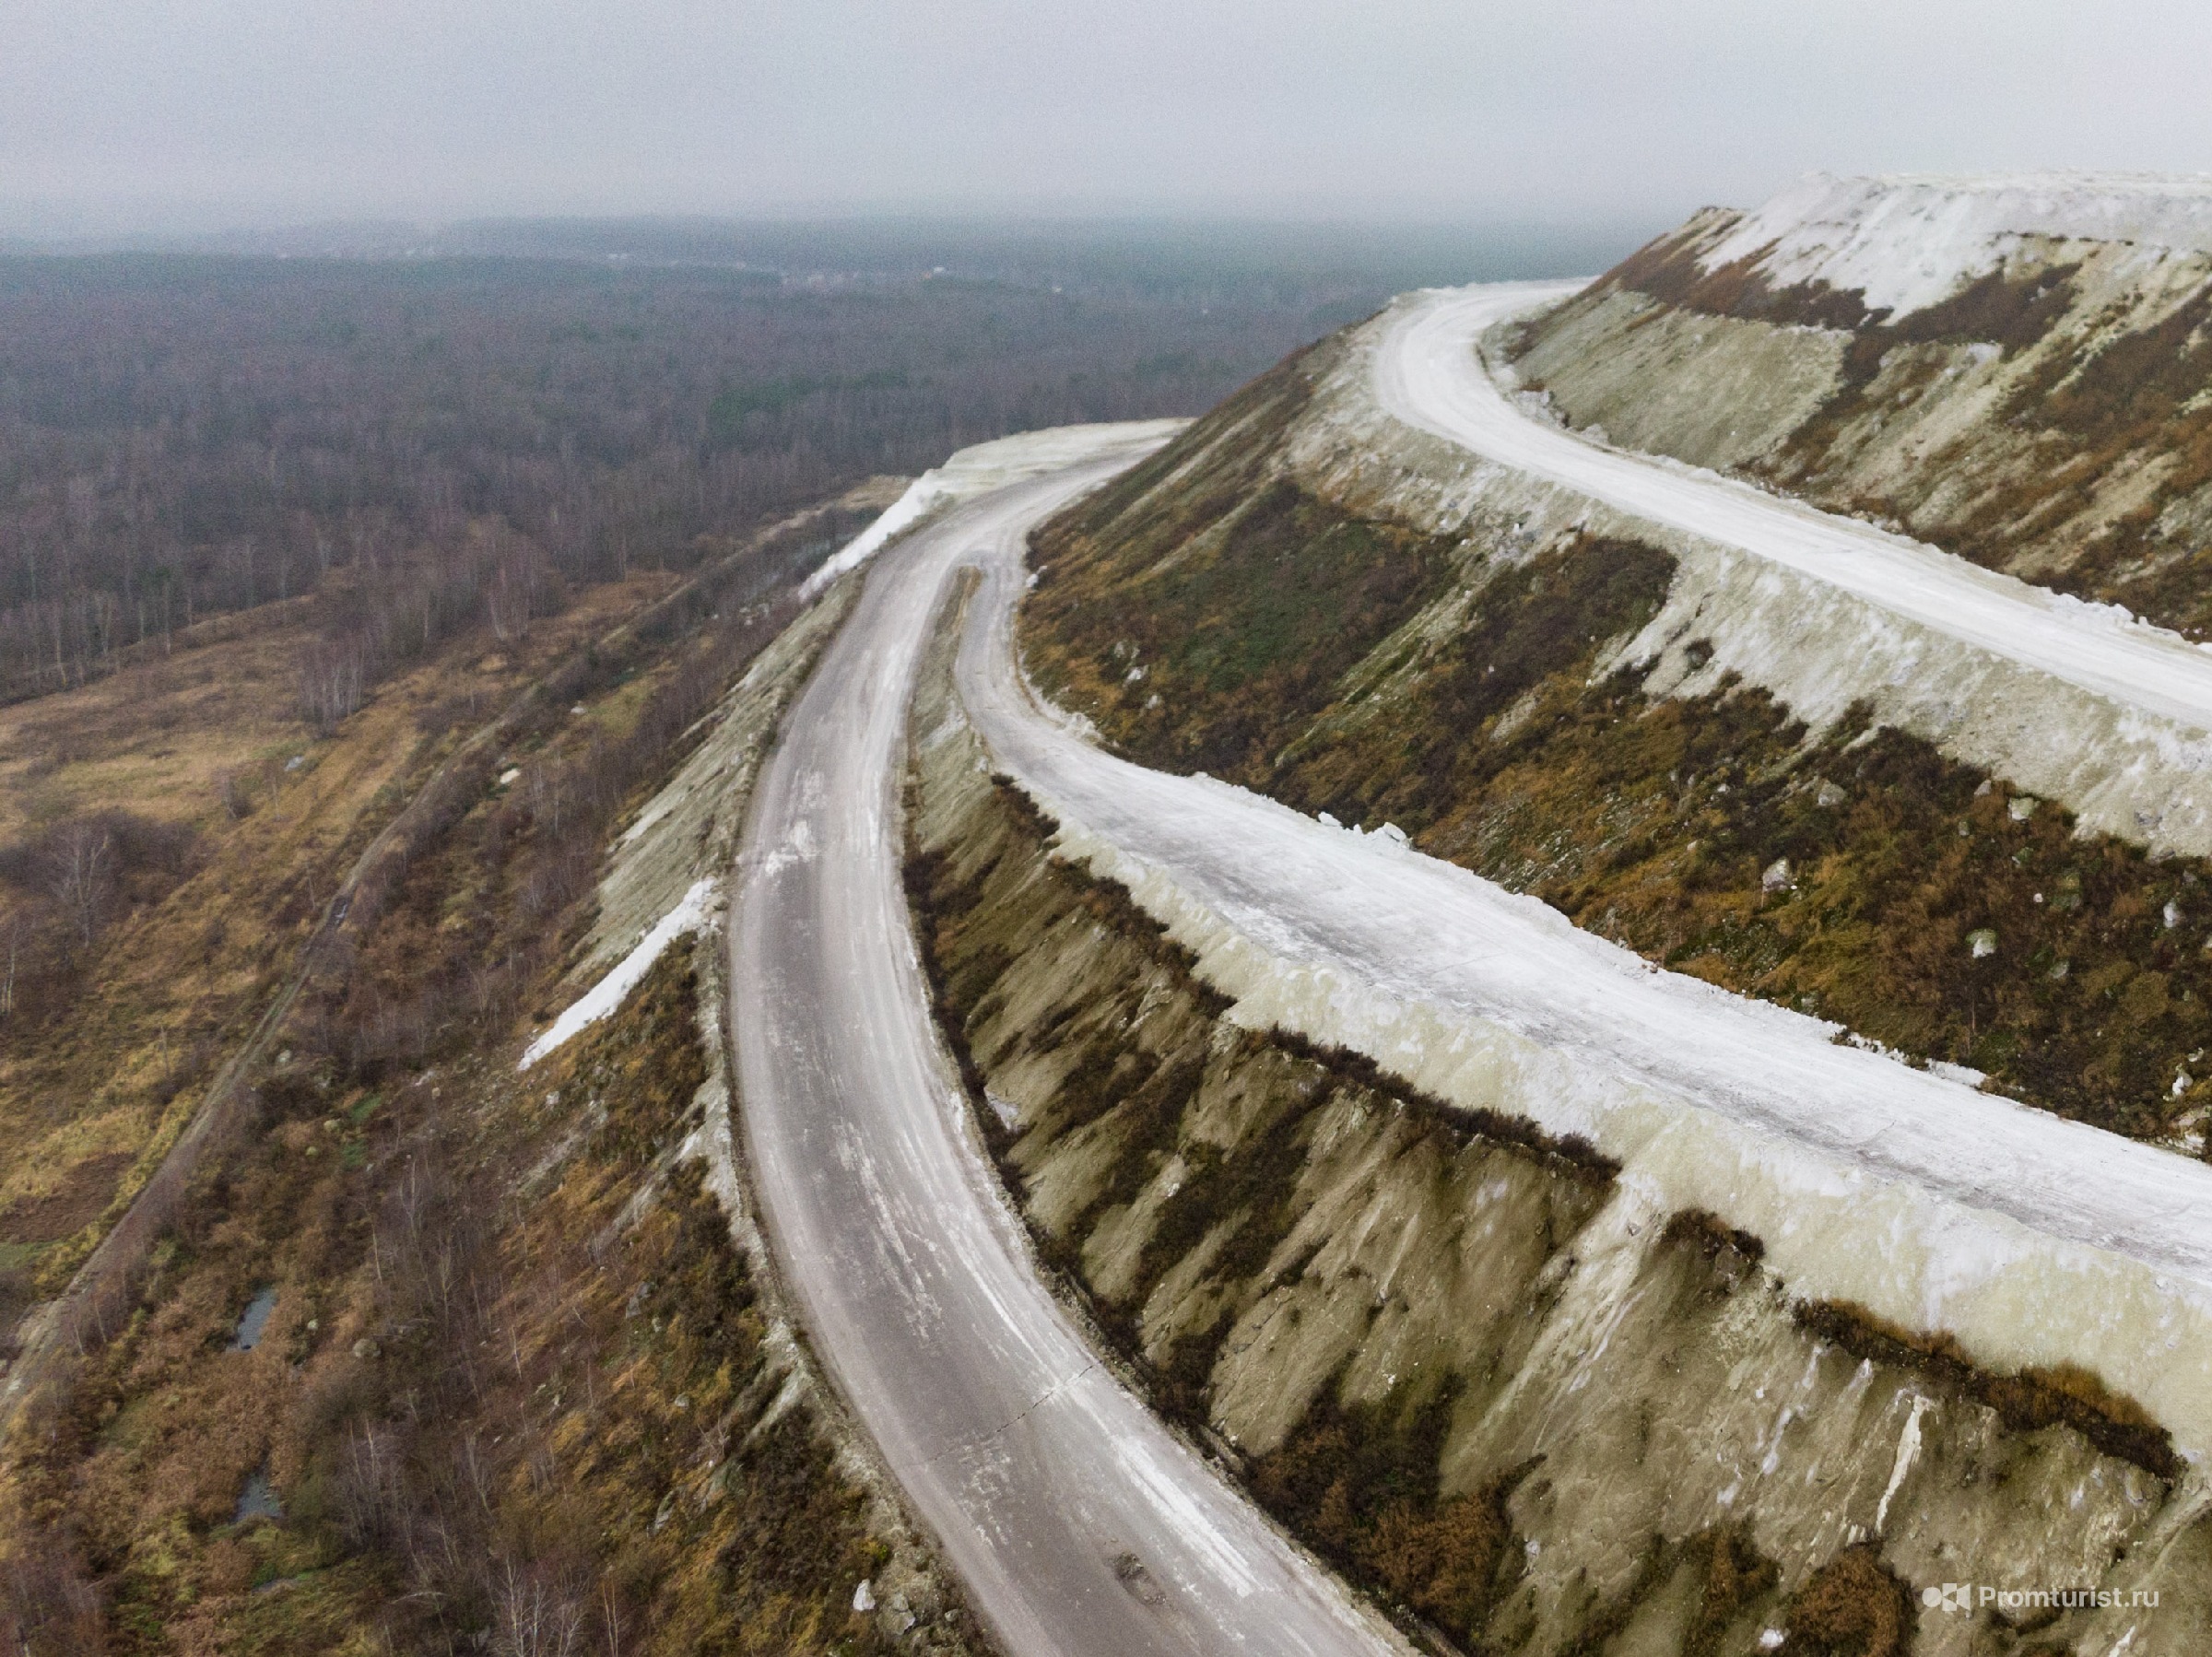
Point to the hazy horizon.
(215, 116)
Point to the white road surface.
(1372, 910)
(1427, 374)
(1077, 1522)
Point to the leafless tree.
(534, 1617)
(333, 678)
(81, 876)
(511, 597)
(149, 491)
(47, 1607)
(370, 1486)
(548, 791)
(610, 1619)
(12, 942)
(231, 789)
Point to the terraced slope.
(1304, 596)
(2016, 369)
(1471, 1362)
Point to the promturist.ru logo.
(1965, 1596)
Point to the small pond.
(258, 1499)
(256, 1318)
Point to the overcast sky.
(164, 113)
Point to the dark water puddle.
(257, 1316)
(258, 1499)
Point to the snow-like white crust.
(2069, 702)
(1912, 240)
(607, 994)
(2036, 1241)
(974, 471)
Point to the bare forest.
(453, 441)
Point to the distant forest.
(185, 435)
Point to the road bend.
(1427, 374)
(1077, 1522)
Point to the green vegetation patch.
(1201, 604)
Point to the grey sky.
(176, 111)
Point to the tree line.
(183, 438)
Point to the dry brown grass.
(474, 1402)
(1853, 1606)
(153, 737)
(2034, 1398)
(91, 1098)
(1654, 820)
